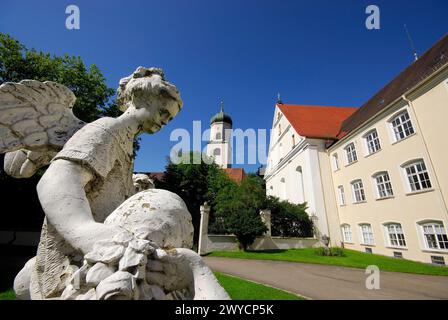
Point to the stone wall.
(211, 242)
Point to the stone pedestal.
(266, 218)
(203, 229)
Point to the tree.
(288, 219)
(94, 97)
(94, 100)
(191, 182)
(239, 207)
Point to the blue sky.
(244, 52)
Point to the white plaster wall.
(224, 144)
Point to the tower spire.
(222, 106)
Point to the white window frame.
(403, 127)
(335, 159)
(394, 233)
(341, 194)
(436, 229)
(416, 181)
(347, 234)
(350, 155)
(358, 189)
(370, 239)
(383, 189)
(374, 145)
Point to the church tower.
(220, 138)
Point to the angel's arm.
(64, 201)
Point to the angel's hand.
(171, 270)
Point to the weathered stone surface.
(70, 293)
(142, 182)
(157, 292)
(154, 265)
(132, 258)
(157, 215)
(89, 295)
(98, 273)
(120, 285)
(79, 277)
(22, 281)
(105, 252)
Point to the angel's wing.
(35, 117)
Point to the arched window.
(434, 235)
(358, 191)
(401, 125)
(218, 136)
(347, 233)
(395, 235)
(383, 185)
(366, 234)
(217, 152)
(417, 175)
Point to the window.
(293, 141)
(402, 126)
(418, 176)
(383, 185)
(395, 235)
(438, 260)
(279, 129)
(218, 136)
(341, 195)
(366, 234)
(398, 255)
(347, 233)
(351, 153)
(372, 142)
(358, 191)
(435, 236)
(335, 162)
(217, 152)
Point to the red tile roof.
(316, 121)
(236, 174)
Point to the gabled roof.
(316, 121)
(236, 174)
(434, 59)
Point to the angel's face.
(157, 100)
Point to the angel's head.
(147, 89)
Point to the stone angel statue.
(101, 239)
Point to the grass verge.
(240, 289)
(7, 295)
(354, 259)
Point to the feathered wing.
(36, 120)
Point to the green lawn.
(240, 289)
(7, 295)
(354, 259)
(237, 288)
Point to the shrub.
(330, 252)
(288, 219)
(237, 207)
